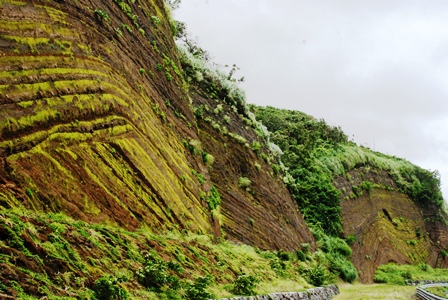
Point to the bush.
(107, 288)
(342, 267)
(285, 256)
(155, 275)
(256, 146)
(347, 272)
(278, 266)
(391, 274)
(366, 186)
(300, 255)
(444, 253)
(214, 198)
(350, 239)
(197, 290)
(425, 267)
(317, 275)
(244, 182)
(208, 159)
(305, 248)
(245, 285)
(336, 245)
(101, 14)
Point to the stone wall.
(319, 293)
(420, 282)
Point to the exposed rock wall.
(95, 115)
(389, 227)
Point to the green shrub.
(208, 159)
(214, 198)
(245, 284)
(350, 239)
(356, 191)
(199, 111)
(278, 266)
(107, 288)
(101, 14)
(218, 109)
(175, 266)
(347, 272)
(154, 274)
(425, 267)
(305, 248)
(276, 169)
(256, 146)
(300, 255)
(244, 182)
(418, 232)
(197, 290)
(284, 255)
(342, 267)
(127, 27)
(336, 245)
(366, 186)
(391, 274)
(317, 275)
(155, 20)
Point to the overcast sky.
(378, 69)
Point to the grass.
(438, 290)
(114, 252)
(397, 274)
(375, 291)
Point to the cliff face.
(388, 209)
(103, 119)
(388, 225)
(96, 122)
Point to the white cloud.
(375, 68)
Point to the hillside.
(97, 123)
(101, 122)
(128, 164)
(388, 209)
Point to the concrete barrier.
(319, 293)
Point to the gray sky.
(378, 69)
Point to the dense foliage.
(303, 140)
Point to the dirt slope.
(95, 121)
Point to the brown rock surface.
(93, 114)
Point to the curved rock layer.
(389, 227)
(94, 113)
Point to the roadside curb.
(319, 293)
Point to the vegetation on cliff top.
(314, 154)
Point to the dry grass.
(375, 291)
